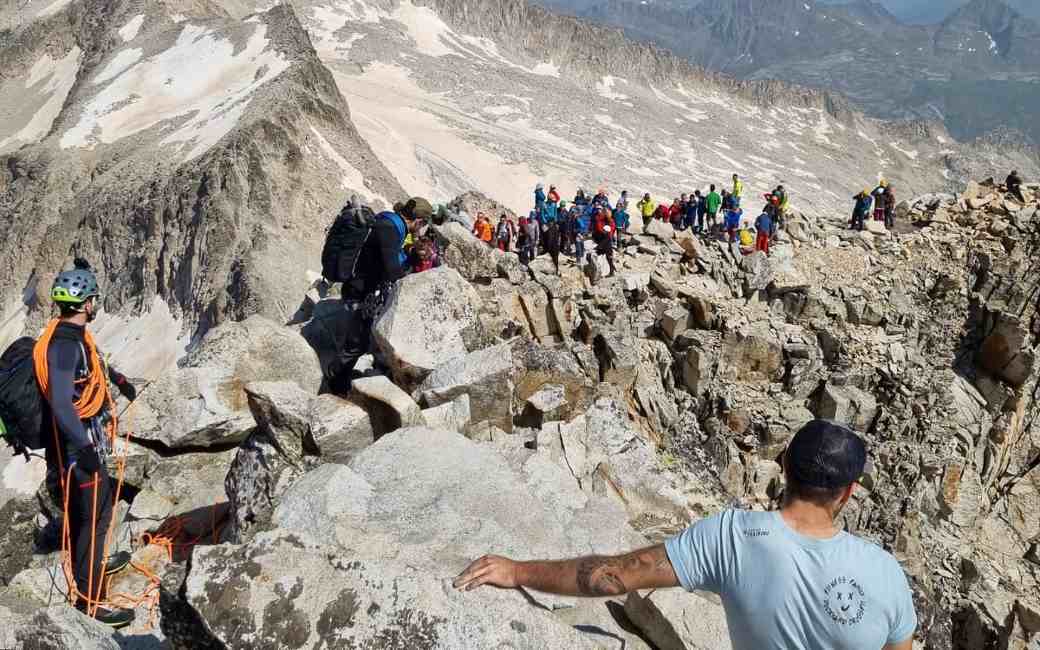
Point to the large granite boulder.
(204, 402)
(362, 555)
(486, 376)
(431, 319)
(61, 627)
(472, 258)
(281, 592)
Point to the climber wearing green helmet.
(74, 382)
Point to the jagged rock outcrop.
(173, 190)
(203, 402)
(430, 319)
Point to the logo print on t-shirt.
(844, 601)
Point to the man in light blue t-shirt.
(788, 579)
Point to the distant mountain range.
(930, 12)
(977, 69)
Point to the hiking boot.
(113, 618)
(117, 562)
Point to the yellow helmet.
(884, 183)
(866, 191)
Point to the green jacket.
(714, 201)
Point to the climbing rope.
(95, 396)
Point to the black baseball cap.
(825, 454)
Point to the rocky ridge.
(575, 413)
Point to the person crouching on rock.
(374, 260)
(788, 579)
(74, 381)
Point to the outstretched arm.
(593, 575)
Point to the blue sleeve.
(62, 358)
(905, 621)
(698, 555)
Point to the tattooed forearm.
(600, 576)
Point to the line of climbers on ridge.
(556, 227)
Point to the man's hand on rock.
(489, 570)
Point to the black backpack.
(344, 243)
(21, 402)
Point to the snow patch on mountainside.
(208, 102)
(118, 64)
(412, 138)
(128, 32)
(31, 106)
(51, 8)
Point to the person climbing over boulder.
(787, 579)
(77, 411)
(861, 209)
(647, 208)
(369, 259)
(1013, 183)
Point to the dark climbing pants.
(357, 342)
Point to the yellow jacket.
(738, 188)
(647, 208)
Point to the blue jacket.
(400, 227)
(733, 218)
(539, 199)
(764, 223)
(863, 204)
(621, 219)
(584, 221)
(548, 214)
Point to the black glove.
(126, 388)
(87, 459)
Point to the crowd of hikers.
(599, 223)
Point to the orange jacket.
(482, 230)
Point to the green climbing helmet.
(74, 287)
